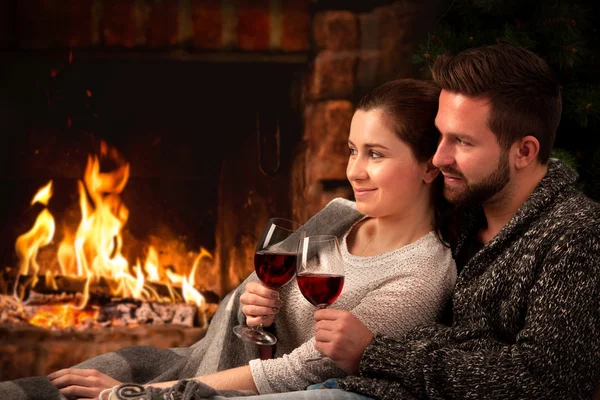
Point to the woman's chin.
(364, 208)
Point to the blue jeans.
(327, 390)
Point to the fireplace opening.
(199, 139)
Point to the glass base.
(254, 335)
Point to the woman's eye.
(352, 151)
(374, 154)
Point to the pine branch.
(567, 157)
(514, 36)
(583, 105)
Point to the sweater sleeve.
(555, 355)
(395, 307)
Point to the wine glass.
(275, 265)
(320, 272)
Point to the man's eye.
(461, 142)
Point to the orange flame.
(43, 195)
(28, 244)
(94, 250)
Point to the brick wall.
(353, 52)
(32, 351)
(251, 25)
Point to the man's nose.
(443, 156)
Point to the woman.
(399, 273)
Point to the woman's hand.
(84, 384)
(260, 304)
(342, 337)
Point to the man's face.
(474, 165)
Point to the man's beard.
(478, 193)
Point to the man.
(526, 307)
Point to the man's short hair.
(524, 93)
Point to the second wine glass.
(320, 272)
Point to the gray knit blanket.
(219, 350)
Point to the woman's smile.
(361, 193)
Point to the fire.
(43, 195)
(94, 250)
(63, 315)
(40, 235)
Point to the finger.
(324, 348)
(256, 300)
(253, 298)
(326, 325)
(324, 336)
(328, 314)
(258, 320)
(259, 311)
(80, 391)
(70, 380)
(261, 290)
(72, 371)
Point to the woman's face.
(386, 178)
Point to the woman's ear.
(431, 172)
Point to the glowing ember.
(63, 316)
(94, 250)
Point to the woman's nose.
(356, 169)
(443, 156)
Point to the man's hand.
(342, 337)
(260, 304)
(83, 384)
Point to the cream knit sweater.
(390, 293)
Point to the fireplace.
(190, 132)
(225, 114)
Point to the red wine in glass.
(275, 265)
(320, 273)
(320, 290)
(275, 269)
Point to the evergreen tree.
(564, 34)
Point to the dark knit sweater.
(526, 321)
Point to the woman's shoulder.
(424, 254)
(432, 246)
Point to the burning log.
(132, 313)
(100, 290)
(11, 311)
(57, 303)
(113, 314)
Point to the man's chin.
(454, 196)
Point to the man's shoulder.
(574, 215)
(576, 207)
